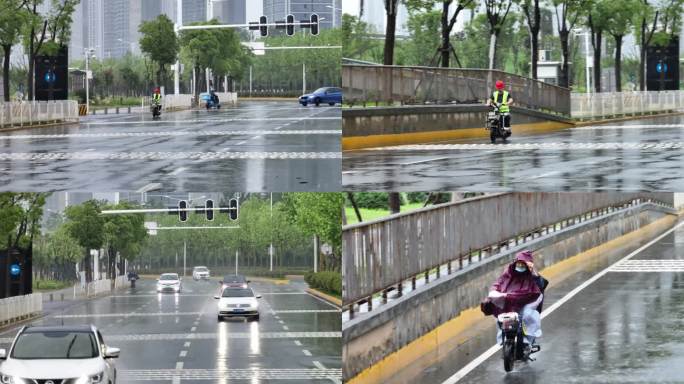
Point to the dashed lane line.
(334, 132)
(533, 146)
(306, 352)
(649, 266)
(230, 374)
(213, 336)
(192, 121)
(183, 353)
(50, 156)
(155, 314)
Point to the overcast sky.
(351, 7)
(254, 10)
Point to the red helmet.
(500, 85)
(157, 90)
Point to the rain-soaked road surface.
(176, 337)
(644, 154)
(626, 326)
(254, 146)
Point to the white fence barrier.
(20, 307)
(26, 113)
(586, 106)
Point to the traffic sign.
(661, 67)
(50, 77)
(15, 269)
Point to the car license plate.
(238, 310)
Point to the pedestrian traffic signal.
(233, 209)
(290, 23)
(314, 24)
(209, 209)
(182, 213)
(263, 27)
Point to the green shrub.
(327, 281)
(372, 200)
(416, 197)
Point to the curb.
(17, 128)
(269, 280)
(324, 296)
(579, 123)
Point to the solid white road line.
(491, 351)
(425, 161)
(179, 365)
(191, 121)
(533, 146)
(50, 156)
(334, 132)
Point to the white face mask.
(520, 269)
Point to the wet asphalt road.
(174, 337)
(255, 146)
(644, 154)
(624, 327)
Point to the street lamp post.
(88, 52)
(333, 12)
(578, 32)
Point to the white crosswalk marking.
(168, 156)
(155, 314)
(232, 373)
(649, 266)
(334, 132)
(533, 146)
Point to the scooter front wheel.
(508, 356)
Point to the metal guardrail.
(27, 113)
(363, 84)
(379, 255)
(613, 104)
(18, 308)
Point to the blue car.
(330, 95)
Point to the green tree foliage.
(86, 226)
(55, 255)
(159, 44)
(123, 235)
(319, 214)
(218, 48)
(20, 215)
(281, 70)
(13, 18)
(357, 42)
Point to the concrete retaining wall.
(370, 337)
(367, 127)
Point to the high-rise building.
(150, 9)
(194, 10)
(375, 15)
(329, 11)
(231, 11)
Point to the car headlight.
(92, 379)
(7, 379)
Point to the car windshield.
(55, 345)
(233, 279)
(201, 269)
(321, 90)
(232, 292)
(168, 277)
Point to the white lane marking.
(283, 293)
(320, 365)
(154, 314)
(193, 329)
(45, 156)
(635, 126)
(533, 146)
(281, 322)
(306, 352)
(186, 345)
(209, 336)
(179, 365)
(649, 266)
(170, 122)
(177, 171)
(285, 327)
(257, 373)
(491, 351)
(183, 353)
(176, 380)
(334, 132)
(298, 343)
(425, 161)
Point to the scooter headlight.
(7, 379)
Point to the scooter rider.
(519, 289)
(503, 98)
(156, 96)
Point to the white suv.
(73, 354)
(169, 282)
(200, 273)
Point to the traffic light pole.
(218, 26)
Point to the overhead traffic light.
(314, 24)
(290, 24)
(233, 209)
(263, 27)
(182, 213)
(209, 209)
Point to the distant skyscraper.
(116, 15)
(231, 11)
(374, 14)
(194, 10)
(150, 9)
(329, 11)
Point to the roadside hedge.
(328, 282)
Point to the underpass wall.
(371, 337)
(384, 126)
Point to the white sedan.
(169, 282)
(58, 354)
(200, 273)
(238, 302)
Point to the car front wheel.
(317, 102)
(220, 318)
